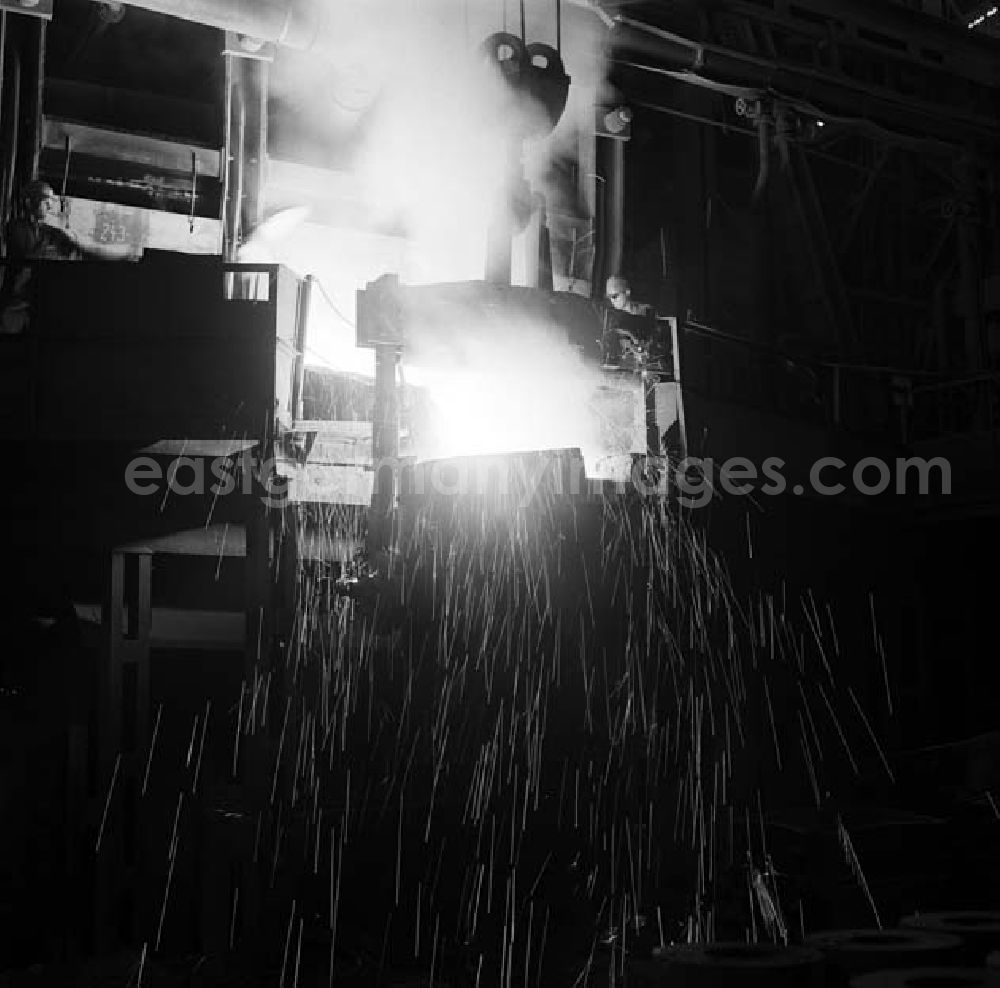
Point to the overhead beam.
(905, 47)
(974, 56)
(119, 145)
(910, 120)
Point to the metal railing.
(953, 408)
(902, 406)
(746, 372)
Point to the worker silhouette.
(619, 295)
(32, 237)
(632, 339)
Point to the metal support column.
(22, 73)
(615, 205)
(124, 736)
(385, 448)
(245, 141)
(969, 251)
(500, 236)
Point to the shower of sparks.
(152, 748)
(107, 804)
(530, 707)
(854, 864)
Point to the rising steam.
(428, 161)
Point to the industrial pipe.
(301, 24)
(327, 27)
(323, 26)
(974, 52)
(10, 165)
(764, 155)
(653, 50)
(614, 203)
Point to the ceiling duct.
(304, 25)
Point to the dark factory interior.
(501, 493)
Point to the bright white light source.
(983, 18)
(503, 386)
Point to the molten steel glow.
(508, 401)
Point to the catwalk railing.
(899, 405)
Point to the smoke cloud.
(421, 127)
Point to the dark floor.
(397, 812)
